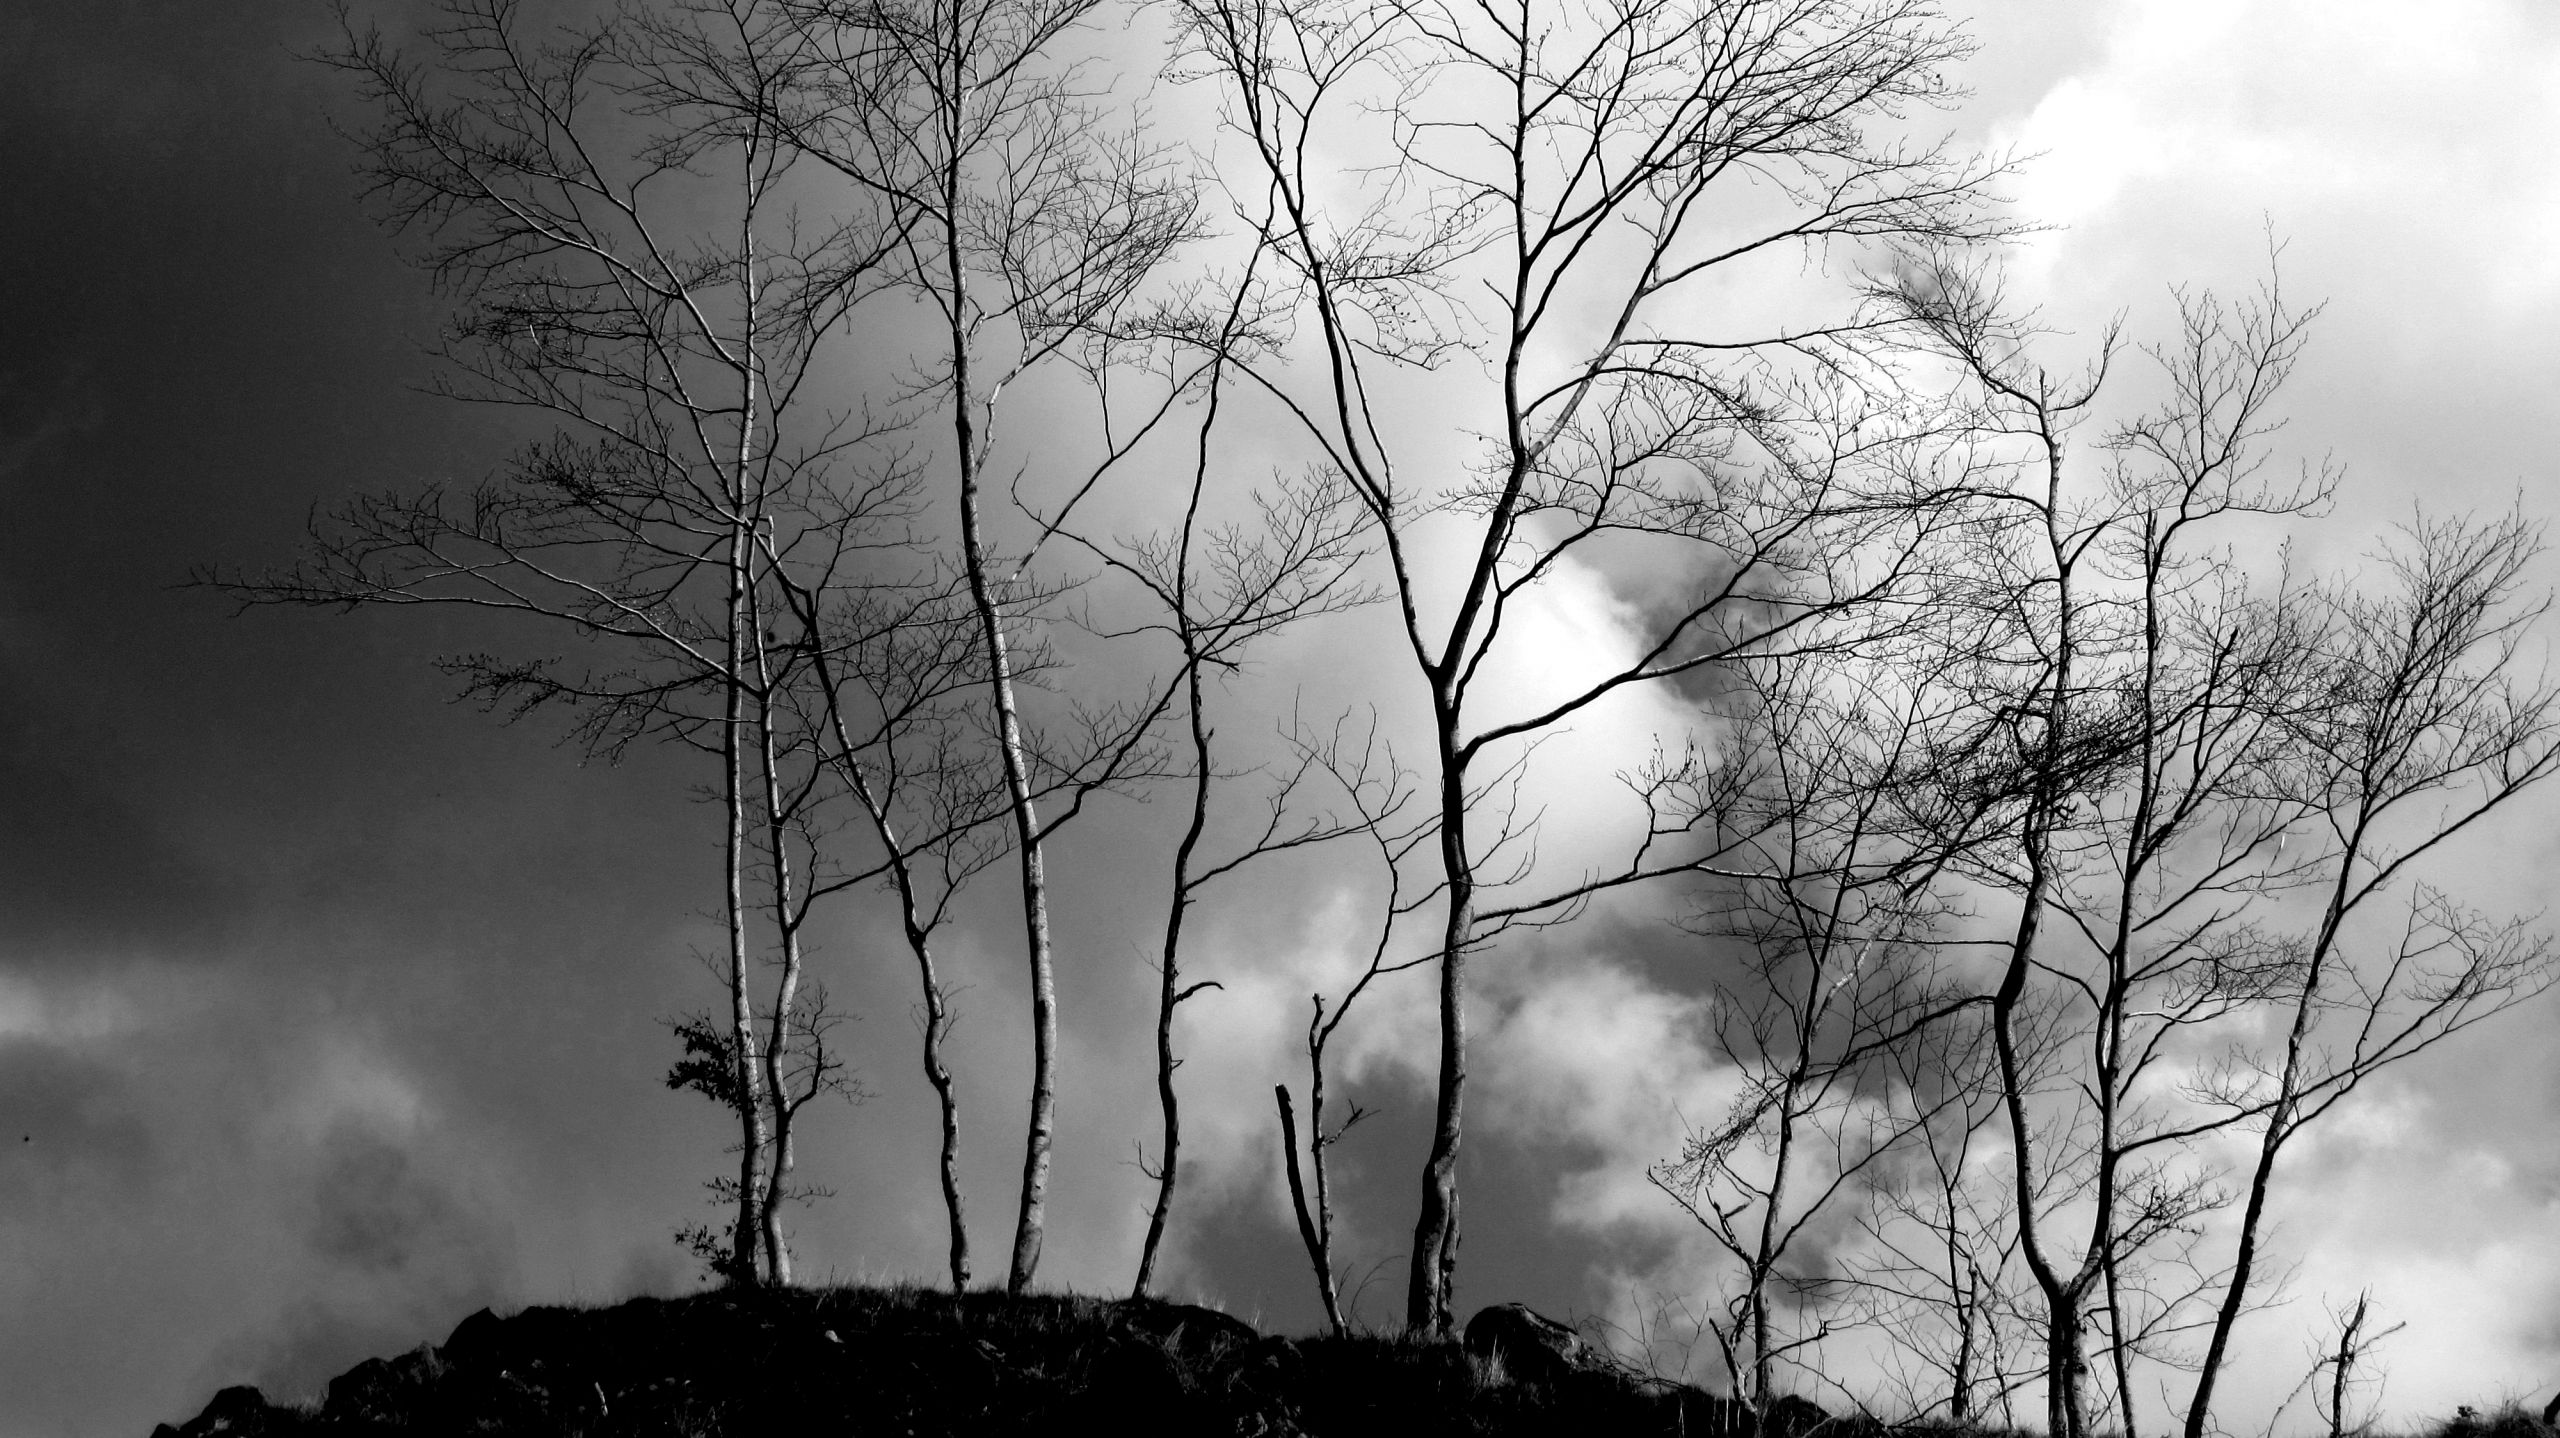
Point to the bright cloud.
(1590, 1055)
(2392, 149)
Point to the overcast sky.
(329, 1010)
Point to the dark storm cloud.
(85, 867)
(375, 1210)
(398, 1247)
(39, 406)
(72, 1133)
(313, 1341)
(318, 1339)
(250, 840)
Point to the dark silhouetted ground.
(905, 1361)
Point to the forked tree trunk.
(911, 922)
(1031, 1221)
(2345, 1364)
(1310, 1234)
(2066, 1367)
(938, 1024)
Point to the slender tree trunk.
(1317, 1143)
(1431, 1289)
(2111, 1027)
(1764, 1257)
(2116, 1349)
(1960, 1286)
(2063, 1363)
(786, 993)
(1032, 1219)
(1319, 1256)
(2098, 1259)
(1435, 1233)
(744, 640)
(937, 1005)
(751, 1137)
(1433, 1285)
(937, 1028)
(1170, 993)
(1031, 1222)
(2001, 1388)
(2346, 1362)
(2235, 1292)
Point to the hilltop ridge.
(912, 1361)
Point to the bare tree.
(2420, 722)
(2355, 1345)
(1215, 584)
(890, 671)
(894, 692)
(619, 243)
(1028, 217)
(2126, 691)
(1936, 1270)
(2158, 738)
(2333, 1368)
(1549, 190)
(1378, 792)
(1253, 587)
(1821, 895)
